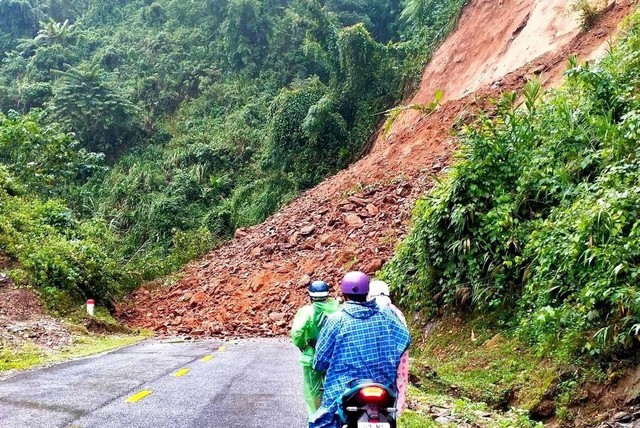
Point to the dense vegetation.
(137, 134)
(538, 221)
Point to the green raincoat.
(304, 334)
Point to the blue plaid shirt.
(359, 342)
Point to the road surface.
(245, 384)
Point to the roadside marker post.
(91, 304)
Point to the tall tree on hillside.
(52, 32)
(245, 33)
(17, 17)
(61, 10)
(89, 103)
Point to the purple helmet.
(355, 283)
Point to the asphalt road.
(241, 384)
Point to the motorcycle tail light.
(373, 392)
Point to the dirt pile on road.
(22, 319)
(252, 285)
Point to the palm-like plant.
(90, 103)
(51, 32)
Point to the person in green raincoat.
(304, 334)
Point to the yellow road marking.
(181, 372)
(207, 358)
(222, 349)
(139, 396)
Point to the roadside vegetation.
(136, 135)
(40, 340)
(533, 238)
(30, 356)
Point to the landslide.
(252, 285)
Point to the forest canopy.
(151, 130)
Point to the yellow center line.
(181, 372)
(139, 396)
(222, 349)
(207, 358)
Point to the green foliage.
(67, 259)
(45, 160)
(588, 11)
(176, 122)
(540, 213)
(424, 109)
(86, 101)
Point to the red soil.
(252, 285)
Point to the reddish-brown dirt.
(252, 285)
(22, 319)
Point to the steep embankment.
(353, 220)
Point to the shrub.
(539, 216)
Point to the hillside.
(139, 135)
(224, 153)
(356, 218)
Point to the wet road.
(241, 384)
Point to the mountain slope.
(251, 285)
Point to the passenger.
(304, 334)
(379, 291)
(359, 342)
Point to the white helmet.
(378, 288)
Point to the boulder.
(354, 221)
(307, 230)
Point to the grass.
(29, 356)
(470, 367)
(472, 360)
(462, 412)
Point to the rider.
(360, 342)
(379, 291)
(304, 334)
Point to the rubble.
(353, 220)
(252, 285)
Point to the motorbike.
(368, 404)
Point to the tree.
(17, 17)
(245, 33)
(87, 101)
(51, 32)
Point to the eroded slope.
(251, 285)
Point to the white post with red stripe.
(91, 304)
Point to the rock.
(198, 299)
(372, 210)
(293, 239)
(304, 281)
(3, 278)
(240, 233)
(326, 239)
(401, 191)
(308, 230)
(347, 207)
(622, 417)
(354, 221)
(373, 266)
(357, 201)
(277, 316)
(444, 420)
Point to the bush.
(57, 252)
(539, 215)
